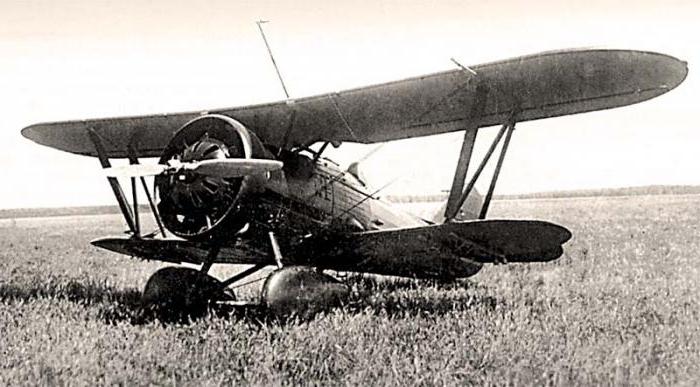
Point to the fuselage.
(318, 192)
(313, 205)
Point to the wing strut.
(487, 200)
(506, 129)
(130, 212)
(113, 182)
(135, 203)
(154, 209)
(465, 156)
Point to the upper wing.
(537, 86)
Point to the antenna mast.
(269, 51)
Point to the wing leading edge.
(534, 87)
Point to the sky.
(86, 59)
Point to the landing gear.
(303, 291)
(299, 290)
(178, 294)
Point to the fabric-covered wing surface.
(448, 250)
(482, 240)
(534, 87)
(182, 251)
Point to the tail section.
(431, 208)
(469, 211)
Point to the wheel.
(302, 291)
(179, 294)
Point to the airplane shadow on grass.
(399, 297)
(393, 298)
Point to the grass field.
(620, 307)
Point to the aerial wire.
(272, 57)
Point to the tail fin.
(431, 208)
(469, 211)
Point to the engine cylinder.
(197, 206)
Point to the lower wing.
(449, 250)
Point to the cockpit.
(354, 170)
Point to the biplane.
(250, 185)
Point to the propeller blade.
(136, 170)
(234, 167)
(214, 168)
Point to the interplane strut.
(465, 155)
(113, 182)
(130, 212)
(458, 194)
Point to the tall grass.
(621, 307)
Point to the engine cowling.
(196, 206)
